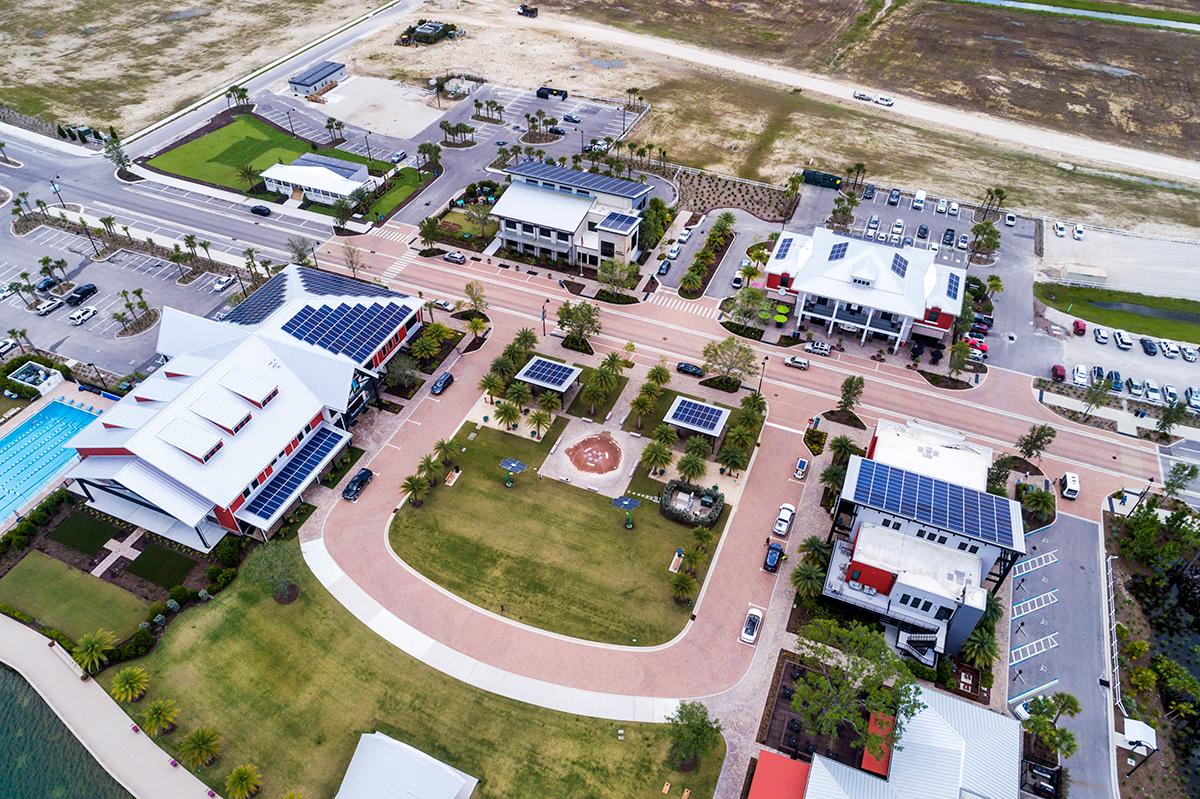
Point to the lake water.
(1088, 13)
(41, 758)
(1143, 310)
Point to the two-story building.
(245, 412)
(867, 289)
(564, 215)
(919, 540)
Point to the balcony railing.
(852, 317)
(886, 325)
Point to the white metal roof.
(929, 567)
(248, 385)
(315, 177)
(221, 407)
(193, 438)
(933, 450)
(384, 768)
(544, 207)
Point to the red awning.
(778, 777)
(882, 724)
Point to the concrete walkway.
(133, 759)
(118, 549)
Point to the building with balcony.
(553, 213)
(917, 538)
(867, 289)
(245, 413)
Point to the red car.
(1058, 373)
(976, 344)
(1080, 327)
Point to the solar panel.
(952, 287)
(329, 285)
(622, 223)
(694, 414)
(355, 331)
(899, 264)
(584, 180)
(784, 246)
(287, 480)
(547, 372)
(262, 303)
(985, 517)
(838, 251)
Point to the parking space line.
(1036, 603)
(1032, 649)
(1012, 700)
(1038, 561)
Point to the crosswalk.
(679, 304)
(397, 266)
(1032, 649)
(391, 234)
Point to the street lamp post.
(290, 127)
(544, 304)
(55, 188)
(100, 375)
(367, 139)
(762, 373)
(87, 232)
(314, 255)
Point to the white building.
(317, 78)
(384, 768)
(246, 412)
(867, 288)
(318, 178)
(558, 214)
(917, 538)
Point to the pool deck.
(66, 390)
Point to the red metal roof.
(778, 777)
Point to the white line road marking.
(1038, 561)
(1032, 649)
(1036, 603)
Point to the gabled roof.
(588, 181)
(535, 205)
(384, 768)
(317, 73)
(339, 166)
(317, 176)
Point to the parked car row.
(1150, 346)
(1146, 390)
(1060, 230)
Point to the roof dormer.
(191, 439)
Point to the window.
(545, 232)
(962, 545)
(941, 539)
(510, 225)
(213, 451)
(591, 226)
(926, 605)
(241, 424)
(973, 549)
(854, 575)
(563, 236)
(904, 599)
(859, 281)
(920, 533)
(943, 614)
(526, 228)
(606, 249)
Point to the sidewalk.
(1127, 422)
(133, 759)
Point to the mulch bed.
(289, 596)
(848, 418)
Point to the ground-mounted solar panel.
(838, 251)
(947, 506)
(267, 299)
(899, 264)
(952, 287)
(293, 474)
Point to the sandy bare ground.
(131, 63)
(381, 104)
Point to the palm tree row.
(494, 110)
(457, 133)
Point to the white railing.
(1115, 664)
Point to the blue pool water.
(33, 453)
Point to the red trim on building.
(772, 280)
(225, 517)
(87, 452)
(880, 724)
(871, 446)
(879, 579)
(316, 420)
(237, 503)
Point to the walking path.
(133, 759)
(119, 549)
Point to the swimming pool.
(33, 453)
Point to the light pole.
(100, 375)
(762, 374)
(314, 254)
(55, 188)
(290, 127)
(367, 139)
(544, 304)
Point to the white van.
(918, 202)
(1068, 484)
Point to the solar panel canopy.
(287, 481)
(953, 508)
(697, 416)
(548, 374)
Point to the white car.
(898, 227)
(444, 305)
(6, 292)
(1136, 389)
(1152, 393)
(751, 627)
(1188, 353)
(1169, 348)
(684, 235)
(1010, 220)
(1193, 397)
(1060, 229)
(1077, 233)
(795, 362)
(1100, 334)
(818, 348)
(222, 283)
(941, 207)
(1079, 375)
(801, 470)
(673, 252)
(870, 98)
(7, 345)
(81, 315)
(738, 281)
(1122, 340)
(953, 210)
(783, 522)
(1169, 394)
(883, 99)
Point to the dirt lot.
(762, 131)
(127, 64)
(1128, 84)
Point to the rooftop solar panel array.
(784, 246)
(355, 331)
(581, 180)
(952, 287)
(317, 282)
(622, 223)
(899, 264)
(838, 251)
(982, 516)
(550, 373)
(262, 303)
(697, 415)
(285, 482)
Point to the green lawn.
(405, 182)
(85, 533)
(553, 555)
(216, 156)
(1175, 15)
(1080, 301)
(64, 597)
(582, 408)
(291, 687)
(161, 566)
(455, 223)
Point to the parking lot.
(1085, 350)
(95, 340)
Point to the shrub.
(181, 595)
(214, 571)
(59, 637)
(19, 541)
(223, 578)
(815, 440)
(139, 644)
(157, 609)
(39, 517)
(699, 515)
(172, 606)
(160, 620)
(921, 671)
(229, 551)
(988, 679)
(945, 672)
(13, 613)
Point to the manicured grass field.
(1080, 301)
(84, 533)
(161, 566)
(216, 156)
(291, 687)
(553, 555)
(455, 223)
(404, 183)
(63, 597)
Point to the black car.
(1149, 346)
(558, 131)
(442, 383)
(948, 237)
(923, 232)
(893, 197)
(357, 483)
(689, 369)
(774, 557)
(574, 120)
(664, 267)
(81, 293)
(46, 283)
(260, 210)
(869, 192)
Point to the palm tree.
(428, 468)
(691, 468)
(130, 684)
(666, 435)
(200, 748)
(656, 456)
(741, 437)
(642, 404)
(733, 459)
(508, 414)
(476, 326)
(160, 717)
(526, 340)
(122, 318)
(808, 579)
(979, 649)
(594, 391)
(444, 450)
(539, 420)
(703, 536)
(692, 557)
(817, 550)
(416, 489)
(491, 384)
(91, 652)
(519, 393)
(699, 446)
(832, 477)
(613, 362)
(424, 348)
(691, 281)
(549, 401)
(683, 586)
(1038, 502)
(842, 448)
(992, 611)
(994, 285)
(243, 782)
(247, 174)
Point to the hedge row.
(706, 519)
(18, 537)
